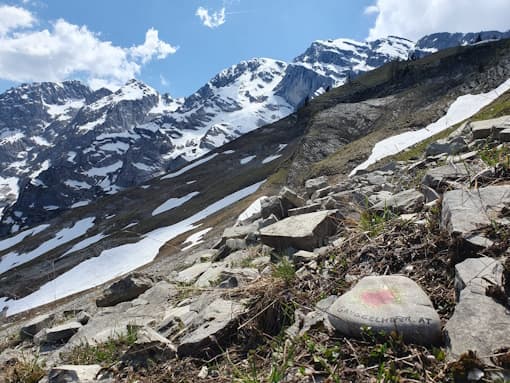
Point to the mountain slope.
(330, 136)
(63, 145)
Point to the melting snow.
(195, 239)
(10, 242)
(104, 171)
(172, 203)
(65, 235)
(461, 109)
(77, 184)
(117, 261)
(189, 167)
(245, 160)
(41, 141)
(85, 243)
(271, 158)
(80, 204)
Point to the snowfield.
(65, 235)
(461, 109)
(172, 203)
(113, 263)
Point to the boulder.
(302, 232)
(314, 184)
(387, 303)
(211, 329)
(126, 289)
(454, 146)
(291, 197)
(407, 201)
(504, 135)
(443, 175)
(58, 334)
(320, 193)
(74, 374)
(479, 324)
(272, 206)
(486, 128)
(83, 317)
(191, 274)
(239, 231)
(149, 347)
(466, 212)
(477, 274)
(35, 325)
(211, 277)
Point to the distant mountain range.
(62, 145)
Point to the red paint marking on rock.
(377, 298)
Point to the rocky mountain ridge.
(63, 145)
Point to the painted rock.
(387, 303)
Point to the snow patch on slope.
(117, 261)
(461, 109)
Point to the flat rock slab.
(407, 201)
(467, 211)
(477, 274)
(70, 373)
(441, 175)
(479, 324)
(212, 327)
(302, 232)
(387, 303)
(192, 273)
(483, 129)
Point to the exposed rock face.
(478, 274)
(304, 232)
(58, 334)
(149, 347)
(466, 213)
(487, 128)
(387, 303)
(74, 374)
(479, 324)
(212, 325)
(35, 325)
(128, 288)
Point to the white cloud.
(371, 9)
(152, 46)
(66, 50)
(13, 18)
(212, 20)
(415, 18)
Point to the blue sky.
(186, 53)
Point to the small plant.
(104, 353)
(373, 222)
(25, 371)
(285, 271)
(495, 156)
